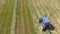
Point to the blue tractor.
(45, 22)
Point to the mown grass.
(28, 20)
(30, 16)
(6, 17)
(50, 9)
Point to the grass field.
(21, 16)
(50, 8)
(6, 14)
(24, 19)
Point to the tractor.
(45, 23)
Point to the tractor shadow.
(51, 27)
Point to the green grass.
(28, 20)
(6, 17)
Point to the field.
(6, 15)
(50, 8)
(21, 16)
(24, 19)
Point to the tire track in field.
(30, 28)
(20, 18)
(27, 20)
